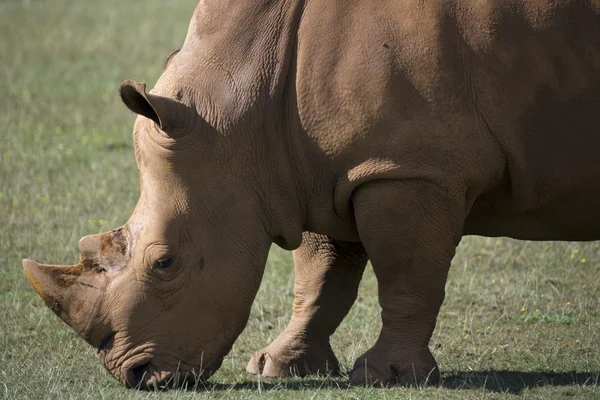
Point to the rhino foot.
(382, 366)
(281, 359)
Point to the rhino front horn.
(71, 292)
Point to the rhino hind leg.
(410, 230)
(327, 275)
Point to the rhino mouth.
(143, 374)
(143, 368)
(137, 374)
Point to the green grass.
(520, 318)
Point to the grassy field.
(521, 319)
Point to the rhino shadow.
(514, 382)
(273, 385)
(501, 381)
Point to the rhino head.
(163, 298)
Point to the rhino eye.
(163, 263)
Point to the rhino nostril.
(107, 342)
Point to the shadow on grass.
(515, 382)
(284, 384)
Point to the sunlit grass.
(520, 318)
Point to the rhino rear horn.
(165, 112)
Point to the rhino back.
(502, 97)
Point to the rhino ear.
(162, 110)
(170, 58)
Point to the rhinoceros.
(347, 131)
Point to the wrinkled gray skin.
(383, 132)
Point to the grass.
(521, 319)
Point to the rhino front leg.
(410, 231)
(327, 275)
